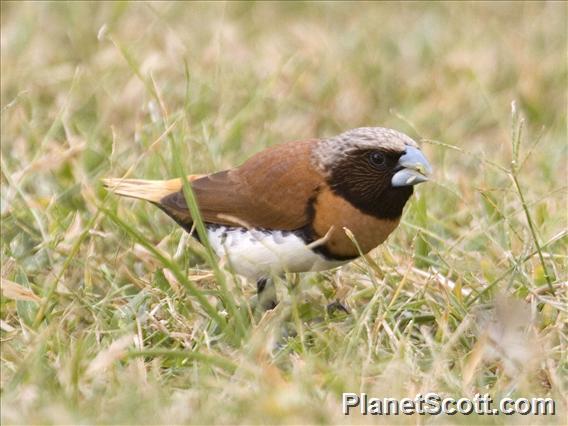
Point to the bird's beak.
(412, 168)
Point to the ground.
(109, 314)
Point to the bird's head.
(373, 168)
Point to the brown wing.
(271, 190)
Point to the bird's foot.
(337, 306)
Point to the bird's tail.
(149, 190)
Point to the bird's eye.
(377, 159)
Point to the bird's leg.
(266, 293)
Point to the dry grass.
(107, 317)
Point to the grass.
(110, 314)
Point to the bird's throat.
(388, 204)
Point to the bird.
(300, 206)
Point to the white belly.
(258, 253)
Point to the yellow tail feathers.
(150, 190)
(154, 191)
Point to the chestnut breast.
(335, 211)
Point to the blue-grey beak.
(412, 168)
